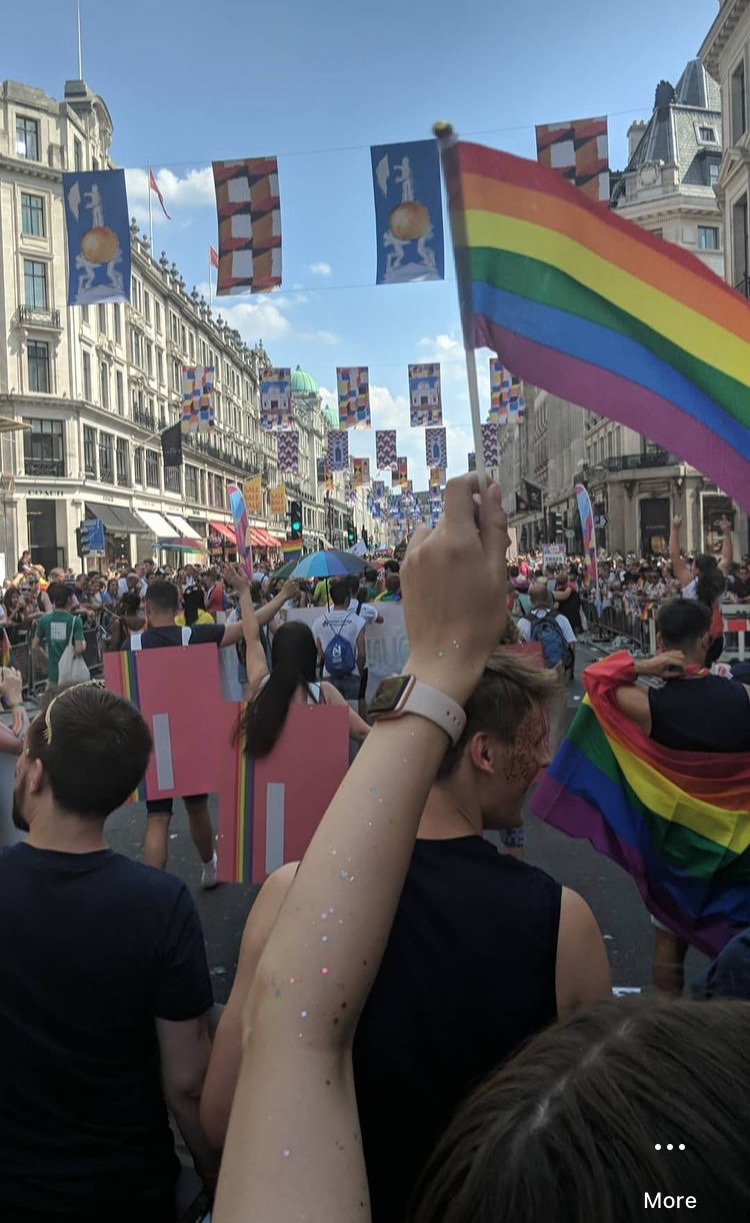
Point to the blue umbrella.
(327, 564)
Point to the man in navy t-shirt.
(104, 985)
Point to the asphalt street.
(611, 894)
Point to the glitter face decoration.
(531, 743)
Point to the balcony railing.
(651, 458)
(44, 467)
(38, 317)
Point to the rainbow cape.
(678, 822)
(592, 308)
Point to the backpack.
(338, 657)
(547, 631)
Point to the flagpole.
(446, 139)
(210, 285)
(80, 48)
(150, 214)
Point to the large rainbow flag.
(592, 308)
(678, 822)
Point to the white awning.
(157, 524)
(183, 527)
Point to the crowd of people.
(421, 1026)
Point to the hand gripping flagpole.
(446, 139)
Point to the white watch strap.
(428, 703)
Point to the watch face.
(389, 694)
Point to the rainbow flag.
(292, 549)
(129, 688)
(678, 822)
(590, 307)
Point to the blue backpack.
(547, 631)
(338, 657)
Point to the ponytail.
(263, 719)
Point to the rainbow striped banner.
(128, 676)
(676, 821)
(592, 308)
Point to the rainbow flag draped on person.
(578, 301)
(678, 822)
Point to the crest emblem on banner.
(249, 216)
(436, 448)
(425, 400)
(197, 398)
(361, 472)
(97, 223)
(287, 446)
(402, 470)
(353, 383)
(386, 458)
(338, 450)
(408, 212)
(489, 445)
(276, 410)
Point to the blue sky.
(315, 84)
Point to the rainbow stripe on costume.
(602, 313)
(129, 677)
(678, 822)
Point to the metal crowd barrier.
(614, 621)
(35, 679)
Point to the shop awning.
(183, 526)
(157, 524)
(260, 538)
(221, 528)
(116, 518)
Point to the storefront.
(44, 531)
(714, 507)
(120, 524)
(222, 542)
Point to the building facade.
(95, 386)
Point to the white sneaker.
(208, 875)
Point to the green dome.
(304, 383)
(331, 417)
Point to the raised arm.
(293, 1138)
(255, 660)
(266, 613)
(727, 557)
(679, 568)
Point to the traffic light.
(351, 534)
(295, 519)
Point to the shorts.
(163, 806)
(348, 685)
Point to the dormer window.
(707, 135)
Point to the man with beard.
(104, 984)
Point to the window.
(147, 305)
(104, 384)
(38, 357)
(32, 215)
(160, 365)
(87, 376)
(123, 462)
(138, 464)
(713, 173)
(157, 311)
(94, 163)
(174, 327)
(708, 134)
(136, 296)
(102, 319)
(85, 315)
(176, 376)
(136, 355)
(77, 155)
(740, 246)
(708, 238)
(172, 479)
(27, 138)
(44, 448)
(149, 359)
(191, 482)
(152, 469)
(35, 284)
(106, 468)
(120, 392)
(89, 450)
(192, 347)
(738, 103)
(118, 323)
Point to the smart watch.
(401, 694)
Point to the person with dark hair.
(130, 617)
(340, 638)
(392, 592)
(54, 631)
(707, 582)
(454, 996)
(105, 985)
(193, 609)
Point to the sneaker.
(208, 875)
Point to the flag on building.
(402, 470)
(213, 257)
(97, 223)
(600, 312)
(385, 449)
(408, 212)
(425, 402)
(579, 150)
(361, 472)
(338, 450)
(353, 383)
(249, 217)
(252, 491)
(436, 447)
(277, 500)
(489, 445)
(154, 186)
(171, 445)
(287, 445)
(276, 409)
(197, 398)
(533, 495)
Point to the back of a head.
(682, 622)
(575, 1127)
(393, 583)
(192, 604)
(339, 592)
(59, 595)
(294, 657)
(539, 595)
(293, 648)
(162, 598)
(94, 746)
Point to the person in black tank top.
(484, 950)
(690, 711)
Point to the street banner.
(97, 223)
(276, 409)
(402, 471)
(436, 448)
(361, 473)
(408, 212)
(554, 554)
(252, 491)
(171, 445)
(425, 401)
(277, 500)
(499, 392)
(386, 458)
(489, 445)
(197, 398)
(580, 151)
(338, 450)
(249, 219)
(287, 445)
(353, 383)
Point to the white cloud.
(194, 190)
(320, 269)
(320, 337)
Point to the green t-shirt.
(53, 630)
